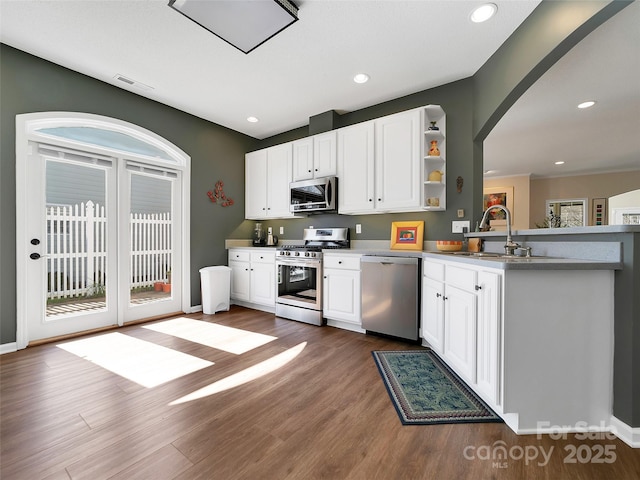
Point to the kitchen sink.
(493, 256)
(476, 254)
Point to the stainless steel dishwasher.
(390, 295)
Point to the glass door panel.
(151, 229)
(152, 285)
(71, 263)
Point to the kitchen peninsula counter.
(600, 243)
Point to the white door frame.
(28, 128)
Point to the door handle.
(35, 241)
(34, 256)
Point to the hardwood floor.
(323, 415)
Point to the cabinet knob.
(309, 170)
(445, 298)
(371, 199)
(438, 295)
(379, 199)
(339, 262)
(478, 287)
(324, 276)
(316, 169)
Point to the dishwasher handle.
(388, 260)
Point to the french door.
(99, 239)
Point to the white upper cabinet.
(356, 169)
(255, 165)
(391, 164)
(398, 162)
(379, 165)
(325, 154)
(315, 157)
(268, 173)
(303, 159)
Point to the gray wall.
(29, 84)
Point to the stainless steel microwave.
(318, 195)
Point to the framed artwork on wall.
(498, 196)
(407, 235)
(599, 211)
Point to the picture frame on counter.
(407, 235)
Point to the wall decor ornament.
(218, 194)
(434, 151)
(459, 183)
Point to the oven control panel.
(289, 253)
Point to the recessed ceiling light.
(487, 172)
(588, 104)
(252, 119)
(484, 12)
(361, 78)
(559, 162)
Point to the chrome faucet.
(510, 247)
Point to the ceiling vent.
(132, 83)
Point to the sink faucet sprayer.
(510, 247)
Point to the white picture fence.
(77, 250)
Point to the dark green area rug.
(425, 390)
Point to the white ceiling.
(545, 125)
(405, 46)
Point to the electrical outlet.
(358, 228)
(460, 213)
(281, 230)
(457, 226)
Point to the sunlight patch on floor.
(244, 376)
(142, 362)
(228, 339)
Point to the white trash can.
(216, 286)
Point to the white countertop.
(510, 263)
(603, 229)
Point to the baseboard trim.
(626, 433)
(254, 306)
(8, 347)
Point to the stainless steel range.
(299, 270)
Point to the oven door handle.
(295, 263)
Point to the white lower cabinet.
(450, 315)
(536, 345)
(460, 321)
(253, 277)
(488, 334)
(239, 262)
(341, 291)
